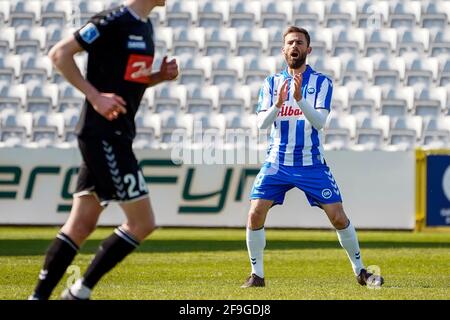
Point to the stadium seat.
(357, 70)
(35, 68)
(348, 41)
(245, 14)
(404, 14)
(339, 101)
(444, 75)
(388, 72)
(339, 131)
(436, 133)
(340, 14)
(181, 13)
(188, 41)
(25, 12)
(365, 100)
(380, 42)
(41, 98)
(308, 14)
(221, 42)
(87, 9)
(234, 99)
(7, 40)
(148, 130)
(430, 102)
(331, 67)
(417, 40)
(148, 100)
(275, 41)
(371, 133)
(321, 41)
(10, 68)
(56, 12)
(70, 117)
(22, 122)
(195, 70)
(255, 89)
(276, 14)
(440, 43)
(202, 99)
(227, 70)
(172, 126)
(435, 14)
(397, 101)
(405, 132)
(47, 129)
(31, 40)
(256, 69)
(170, 98)
(5, 12)
(372, 14)
(164, 41)
(209, 130)
(421, 72)
(13, 96)
(252, 42)
(69, 97)
(213, 13)
(240, 129)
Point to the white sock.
(256, 242)
(79, 290)
(349, 241)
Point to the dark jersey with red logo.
(121, 49)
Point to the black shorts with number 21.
(109, 170)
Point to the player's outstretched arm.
(167, 72)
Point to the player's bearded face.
(295, 58)
(295, 50)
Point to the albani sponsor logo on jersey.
(289, 111)
(139, 68)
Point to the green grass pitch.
(200, 264)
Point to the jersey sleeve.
(265, 95)
(324, 95)
(94, 33)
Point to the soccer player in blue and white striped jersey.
(295, 103)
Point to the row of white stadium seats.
(341, 131)
(394, 13)
(361, 41)
(408, 70)
(353, 98)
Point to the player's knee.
(79, 231)
(256, 218)
(141, 230)
(256, 212)
(339, 220)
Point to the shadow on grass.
(38, 247)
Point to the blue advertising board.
(438, 190)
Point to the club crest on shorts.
(326, 193)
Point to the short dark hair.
(294, 29)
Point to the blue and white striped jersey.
(293, 140)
